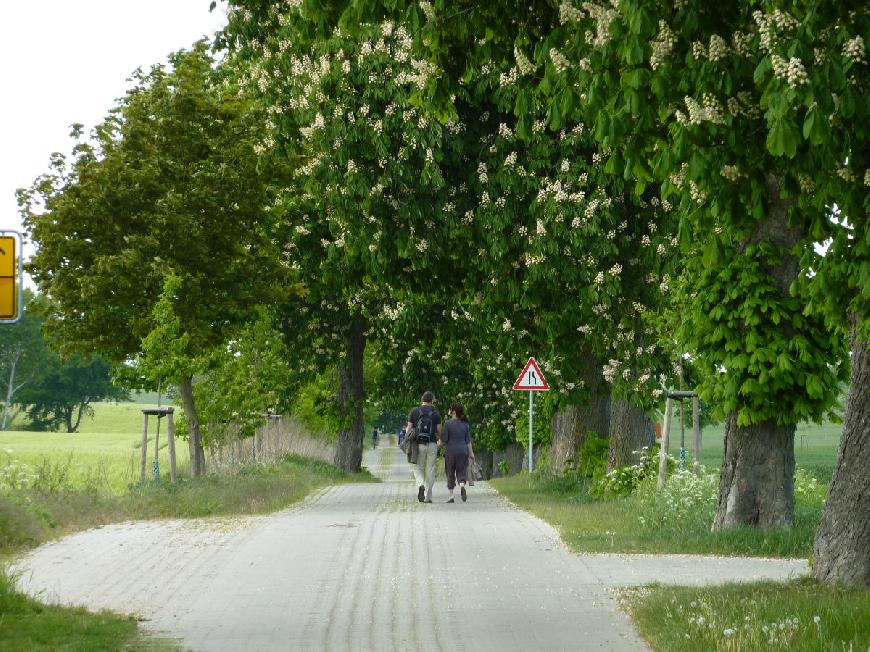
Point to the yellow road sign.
(8, 277)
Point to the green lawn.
(815, 445)
(104, 453)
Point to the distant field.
(814, 445)
(105, 451)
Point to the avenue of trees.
(635, 192)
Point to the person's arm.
(438, 430)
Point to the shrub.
(686, 501)
(622, 481)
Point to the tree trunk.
(630, 430)
(67, 417)
(756, 484)
(9, 393)
(570, 427)
(348, 454)
(842, 549)
(197, 453)
(73, 427)
(573, 423)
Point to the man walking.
(426, 423)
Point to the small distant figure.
(374, 438)
(400, 434)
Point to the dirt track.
(366, 567)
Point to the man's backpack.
(425, 427)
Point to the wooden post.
(144, 459)
(696, 429)
(170, 436)
(666, 440)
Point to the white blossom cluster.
(845, 174)
(662, 46)
(769, 25)
(806, 183)
(710, 111)
(568, 13)
(854, 49)
(791, 71)
(509, 77)
(741, 43)
(603, 17)
(717, 49)
(524, 64)
(731, 172)
(428, 10)
(560, 62)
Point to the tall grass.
(799, 616)
(676, 519)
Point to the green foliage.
(166, 199)
(760, 356)
(243, 382)
(593, 456)
(65, 390)
(624, 480)
(315, 404)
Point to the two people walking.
(425, 433)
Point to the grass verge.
(30, 626)
(796, 616)
(47, 510)
(674, 520)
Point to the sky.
(67, 61)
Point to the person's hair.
(459, 411)
(428, 397)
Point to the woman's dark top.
(457, 436)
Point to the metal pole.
(531, 418)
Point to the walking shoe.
(421, 493)
(450, 500)
(428, 500)
(463, 494)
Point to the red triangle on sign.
(531, 378)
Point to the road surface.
(366, 567)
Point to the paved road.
(366, 567)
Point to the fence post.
(170, 434)
(666, 439)
(144, 460)
(696, 428)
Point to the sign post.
(531, 380)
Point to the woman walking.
(456, 437)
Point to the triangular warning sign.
(531, 378)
